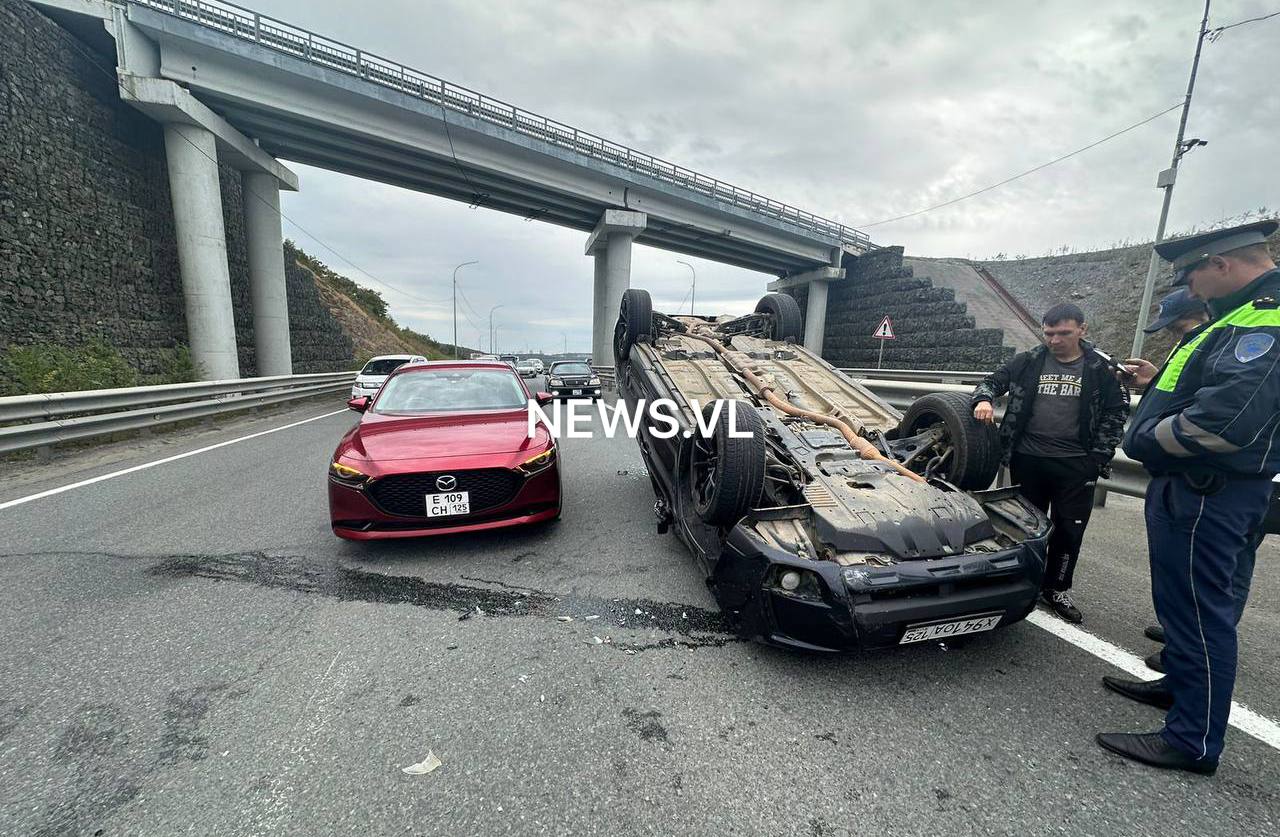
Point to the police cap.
(1189, 251)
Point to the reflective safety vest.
(1246, 316)
(1216, 403)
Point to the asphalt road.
(189, 650)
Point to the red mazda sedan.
(443, 447)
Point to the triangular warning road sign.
(885, 330)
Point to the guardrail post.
(257, 27)
(1099, 496)
(307, 49)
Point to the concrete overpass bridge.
(233, 85)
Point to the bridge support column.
(610, 244)
(192, 157)
(266, 274)
(815, 318)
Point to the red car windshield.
(450, 391)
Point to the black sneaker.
(1059, 601)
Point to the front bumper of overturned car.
(864, 607)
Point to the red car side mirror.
(359, 403)
(545, 397)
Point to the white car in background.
(370, 379)
(527, 368)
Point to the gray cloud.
(855, 111)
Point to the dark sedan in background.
(572, 379)
(443, 447)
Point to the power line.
(1007, 180)
(119, 82)
(1213, 34)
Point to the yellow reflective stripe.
(1173, 371)
(1246, 316)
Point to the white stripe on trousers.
(1195, 599)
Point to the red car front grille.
(405, 494)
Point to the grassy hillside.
(363, 315)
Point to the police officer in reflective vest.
(1208, 431)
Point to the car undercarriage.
(834, 522)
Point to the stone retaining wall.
(933, 330)
(87, 246)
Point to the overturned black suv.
(829, 520)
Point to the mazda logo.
(447, 482)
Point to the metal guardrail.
(71, 416)
(1127, 475)
(316, 49)
(934, 375)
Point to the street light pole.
(566, 342)
(693, 292)
(1165, 181)
(491, 310)
(455, 307)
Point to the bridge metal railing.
(40, 421)
(324, 52)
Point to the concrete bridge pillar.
(610, 244)
(815, 318)
(192, 156)
(265, 242)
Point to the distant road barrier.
(39, 421)
(900, 387)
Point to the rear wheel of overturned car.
(787, 323)
(968, 452)
(726, 473)
(635, 323)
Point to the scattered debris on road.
(428, 764)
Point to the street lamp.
(455, 307)
(491, 310)
(566, 342)
(693, 292)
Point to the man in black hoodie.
(1065, 417)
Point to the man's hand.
(984, 412)
(1141, 372)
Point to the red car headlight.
(347, 474)
(539, 461)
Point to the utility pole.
(1165, 181)
(693, 291)
(455, 307)
(566, 342)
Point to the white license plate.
(577, 392)
(447, 505)
(956, 627)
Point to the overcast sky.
(855, 111)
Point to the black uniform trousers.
(1195, 541)
(1061, 487)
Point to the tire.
(975, 446)
(788, 324)
(635, 323)
(734, 466)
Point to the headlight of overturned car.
(796, 582)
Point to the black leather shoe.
(1155, 662)
(1151, 692)
(1151, 748)
(1155, 633)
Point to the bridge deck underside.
(349, 152)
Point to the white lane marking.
(167, 459)
(1242, 717)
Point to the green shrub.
(176, 367)
(44, 368)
